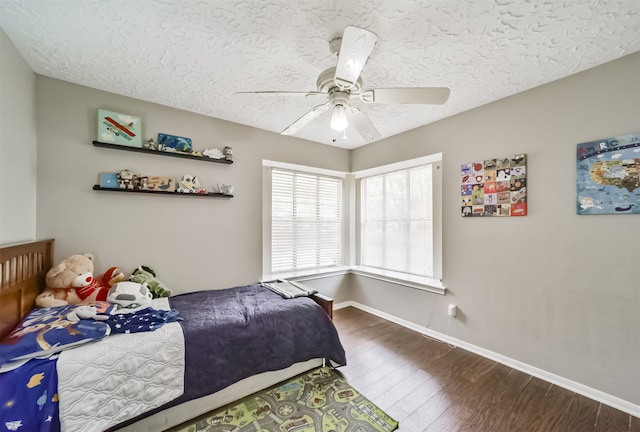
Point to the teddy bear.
(146, 275)
(72, 282)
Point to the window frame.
(351, 226)
(267, 274)
(433, 283)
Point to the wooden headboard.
(22, 272)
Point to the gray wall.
(194, 243)
(17, 146)
(555, 290)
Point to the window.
(304, 227)
(399, 230)
(383, 222)
(397, 222)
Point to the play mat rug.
(319, 400)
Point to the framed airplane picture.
(118, 128)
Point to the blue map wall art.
(608, 176)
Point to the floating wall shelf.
(160, 153)
(209, 195)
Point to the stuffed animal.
(112, 277)
(85, 312)
(129, 294)
(72, 282)
(146, 275)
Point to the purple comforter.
(234, 333)
(238, 332)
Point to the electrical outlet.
(453, 310)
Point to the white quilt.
(121, 376)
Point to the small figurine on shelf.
(213, 153)
(150, 144)
(190, 184)
(225, 189)
(228, 153)
(127, 179)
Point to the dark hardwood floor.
(429, 386)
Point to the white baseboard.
(565, 383)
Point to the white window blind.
(396, 231)
(306, 220)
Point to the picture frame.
(109, 180)
(494, 187)
(119, 128)
(608, 176)
(159, 184)
(176, 143)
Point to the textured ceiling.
(194, 55)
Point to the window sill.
(304, 275)
(422, 283)
(416, 282)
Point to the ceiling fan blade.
(406, 95)
(284, 93)
(356, 46)
(305, 119)
(363, 125)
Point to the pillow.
(46, 331)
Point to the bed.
(229, 344)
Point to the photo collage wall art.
(494, 187)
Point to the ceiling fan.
(338, 84)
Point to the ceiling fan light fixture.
(339, 118)
(338, 84)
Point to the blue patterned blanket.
(230, 335)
